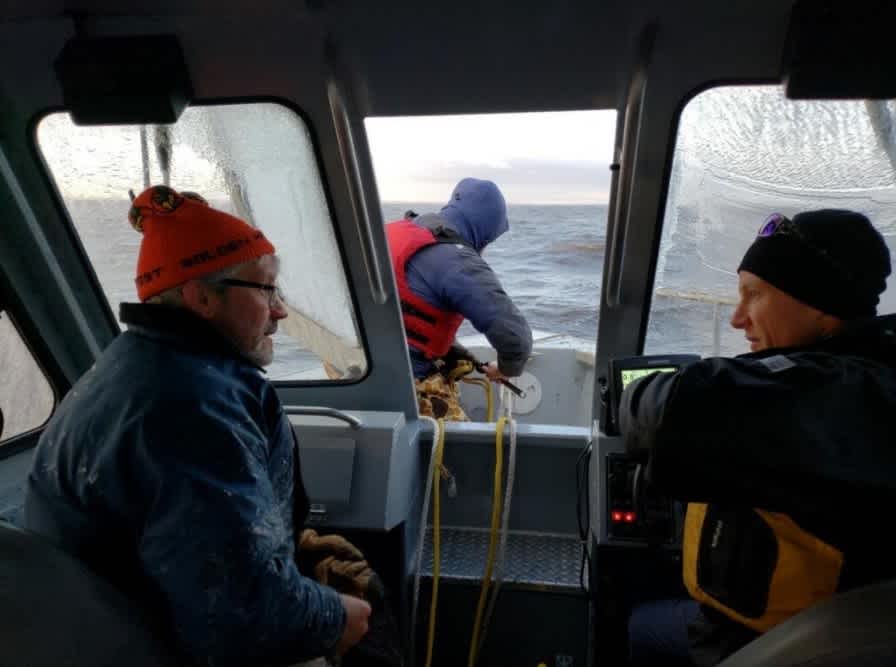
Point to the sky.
(535, 158)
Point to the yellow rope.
(436, 541)
(493, 539)
(462, 368)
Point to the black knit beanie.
(832, 260)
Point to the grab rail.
(621, 215)
(703, 297)
(321, 411)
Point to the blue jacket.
(171, 469)
(454, 277)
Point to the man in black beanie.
(786, 456)
(833, 262)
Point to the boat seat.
(856, 628)
(54, 611)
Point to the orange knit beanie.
(185, 238)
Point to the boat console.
(629, 511)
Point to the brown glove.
(336, 562)
(348, 577)
(313, 547)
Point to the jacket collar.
(179, 327)
(858, 334)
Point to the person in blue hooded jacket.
(443, 279)
(170, 467)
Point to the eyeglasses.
(273, 291)
(778, 224)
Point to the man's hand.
(357, 616)
(490, 370)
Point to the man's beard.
(263, 353)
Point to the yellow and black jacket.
(756, 567)
(788, 461)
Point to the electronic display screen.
(622, 371)
(630, 374)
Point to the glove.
(313, 548)
(336, 562)
(455, 355)
(348, 577)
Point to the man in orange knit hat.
(170, 466)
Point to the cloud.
(527, 181)
(555, 157)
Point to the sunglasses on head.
(773, 223)
(777, 223)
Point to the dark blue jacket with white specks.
(171, 469)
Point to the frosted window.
(256, 161)
(742, 153)
(26, 398)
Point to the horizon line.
(514, 203)
(387, 201)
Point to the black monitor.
(626, 370)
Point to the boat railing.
(717, 302)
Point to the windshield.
(553, 169)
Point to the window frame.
(11, 308)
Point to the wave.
(590, 247)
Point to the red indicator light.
(629, 517)
(616, 516)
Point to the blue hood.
(477, 212)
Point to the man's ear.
(830, 325)
(201, 299)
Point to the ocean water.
(741, 153)
(550, 263)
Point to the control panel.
(634, 512)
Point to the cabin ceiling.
(469, 56)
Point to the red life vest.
(429, 329)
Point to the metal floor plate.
(535, 559)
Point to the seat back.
(54, 612)
(853, 628)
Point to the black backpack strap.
(441, 230)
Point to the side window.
(26, 398)
(743, 152)
(256, 161)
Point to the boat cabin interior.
(719, 113)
